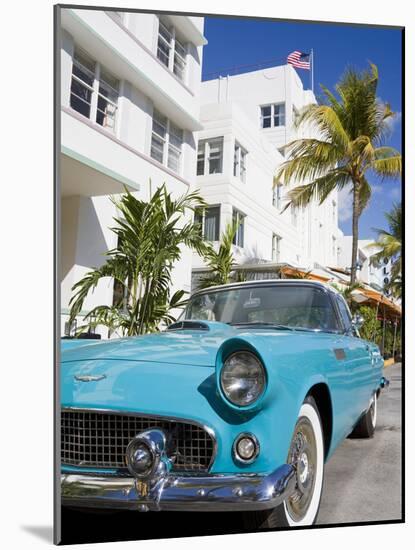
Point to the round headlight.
(246, 448)
(242, 378)
(139, 458)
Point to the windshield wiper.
(262, 324)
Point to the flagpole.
(312, 70)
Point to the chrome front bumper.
(207, 493)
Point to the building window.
(94, 91)
(334, 247)
(210, 156)
(179, 65)
(82, 84)
(171, 51)
(107, 100)
(273, 115)
(294, 215)
(277, 195)
(239, 162)
(276, 248)
(166, 142)
(239, 219)
(334, 211)
(209, 221)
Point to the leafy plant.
(220, 262)
(372, 328)
(150, 236)
(352, 127)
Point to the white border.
(26, 267)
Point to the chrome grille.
(99, 439)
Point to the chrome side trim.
(213, 492)
(201, 425)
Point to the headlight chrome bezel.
(235, 450)
(227, 395)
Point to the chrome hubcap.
(303, 455)
(303, 467)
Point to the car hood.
(185, 347)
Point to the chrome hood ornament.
(89, 377)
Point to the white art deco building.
(133, 109)
(130, 106)
(247, 120)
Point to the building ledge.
(189, 29)
(96, 127)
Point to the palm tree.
(389, 245)
(220, 262)
(150, 236)
(351, 129)
(348, 292)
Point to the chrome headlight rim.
(236, 455)
(254, 403)
(155, 459)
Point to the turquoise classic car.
(235, 407)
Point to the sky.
(234, 42)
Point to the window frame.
(203, 221)
(276, 248)
(167, 143)
(276, 195)
(206, 155)
(340, 301)
(272, 116)
(239, 218)
(98, 83)
(239, 162)
(174, 52)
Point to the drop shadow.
(42, 532)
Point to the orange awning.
(385, 305)
(293, 271)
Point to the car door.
(358, 362)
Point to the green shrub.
(372, 328)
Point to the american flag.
(299, 59)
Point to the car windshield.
(282, 306)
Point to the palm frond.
(319, 189)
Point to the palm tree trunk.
(355, 232)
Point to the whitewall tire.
(310, 469)
(365, 427)
(307, 454)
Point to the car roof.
(261, 282)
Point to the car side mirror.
(357, 321)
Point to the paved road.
(363, 478)
(362, 483)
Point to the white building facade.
(377, 276)
(248, 119)
(130, 106)
(134, 111)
